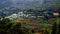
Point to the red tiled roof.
(31, 22)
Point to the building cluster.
(45, 14)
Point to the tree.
(54, 28)
(58, 29)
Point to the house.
(56, 13)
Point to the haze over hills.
(8, 7)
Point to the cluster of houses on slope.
(22, 14)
